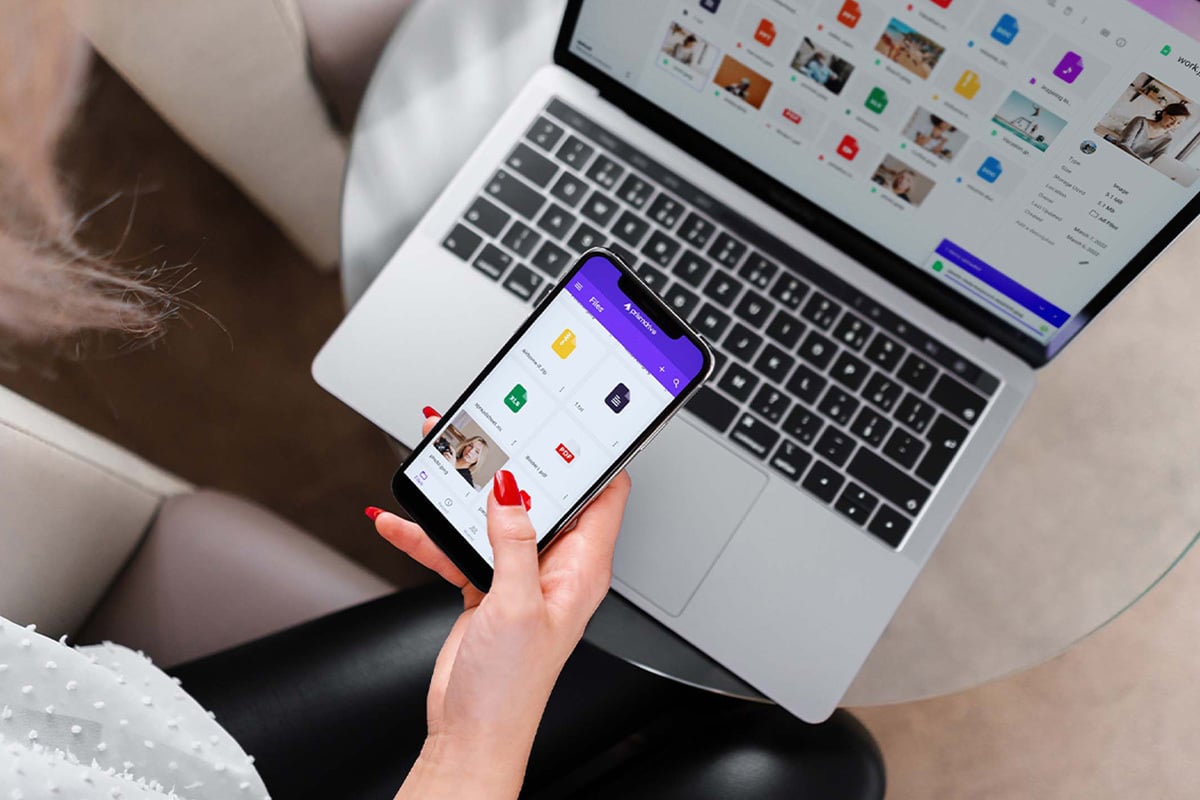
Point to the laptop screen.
(1021, 152)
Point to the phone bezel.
(425, 513)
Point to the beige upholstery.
(73, 507)
(89, 533)
(232, 78)
(217, 571)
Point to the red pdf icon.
(850, 14)
(792, 116)
(765, 35)
(848, 148)
(942, 3)
(565, 453)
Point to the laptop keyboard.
(837, 394)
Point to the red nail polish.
(526, 500)
(373, 513)
(430, 411)
(504, 487)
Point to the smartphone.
(584, 384)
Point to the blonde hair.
(51, 287)
(483, 451)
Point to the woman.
(470, 454)
(902, 184)
(1149, 137)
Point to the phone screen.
(588, 378)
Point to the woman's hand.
(503, 655)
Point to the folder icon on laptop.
(968, 85)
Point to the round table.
(1091, 499)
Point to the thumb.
(513, 539)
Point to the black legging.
(335, 708)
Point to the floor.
(225, 400)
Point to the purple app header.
(673, 362)
(1182, 16)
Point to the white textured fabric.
(103, 722)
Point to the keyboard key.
(599, 208)
(849, 371)
(462, 241)
(871, 427)
(904, 448)
(551, 259)
(835, 446)
(584, 238)
(882, 391)
(790, 291)
(727, 250)
(624, 253)
(536, 168)
(774, 363)
(487, 217)
(754, 308)
(493, 262)
(823, 481)
(852, 332)
(759, 271)
(790, 460)
(696, 230)
(569, 190)
(803, 424)
(714, 409)
(817, 350)
(523, 282)
(521, 239)
(957, 399)
(888, 481)
(692, 268)
(915, 413)
(516, 195)
(723, 289)
(630, 228)
(653, 278)
(681, 300)
(575, 152)
(821, 311)
(605, 171)
(807, 385)
(711, 322)
(838, 406)
(785, 329)
(754, 435)
(660, 248)
(946, 438)
(742, 343)
(544, 133)
(635, 191)
(889, 525)
(884, 352)
(917, 373)
(770, 404)
(856, 503)
(665, 210)
(739, 382)
(556, 221)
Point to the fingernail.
(430, 411)
(526, 500)
(373, 513)
(504, 486)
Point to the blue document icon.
(991, 169)
(1006, 29)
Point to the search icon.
(676, 383)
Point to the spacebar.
(895, 486)
(713, 409)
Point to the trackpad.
(689, 496)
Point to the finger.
(600, 522)
(409, 537)
(432, 417)
(514, 542)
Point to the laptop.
(884, 216)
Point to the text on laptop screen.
(1022, 152)
(574, 393)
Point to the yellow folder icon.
(968, 85)
(564, 345)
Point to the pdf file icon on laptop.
(850, 14)
(792, 116)
(765, 35)
(848, 148)
(567, 450)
